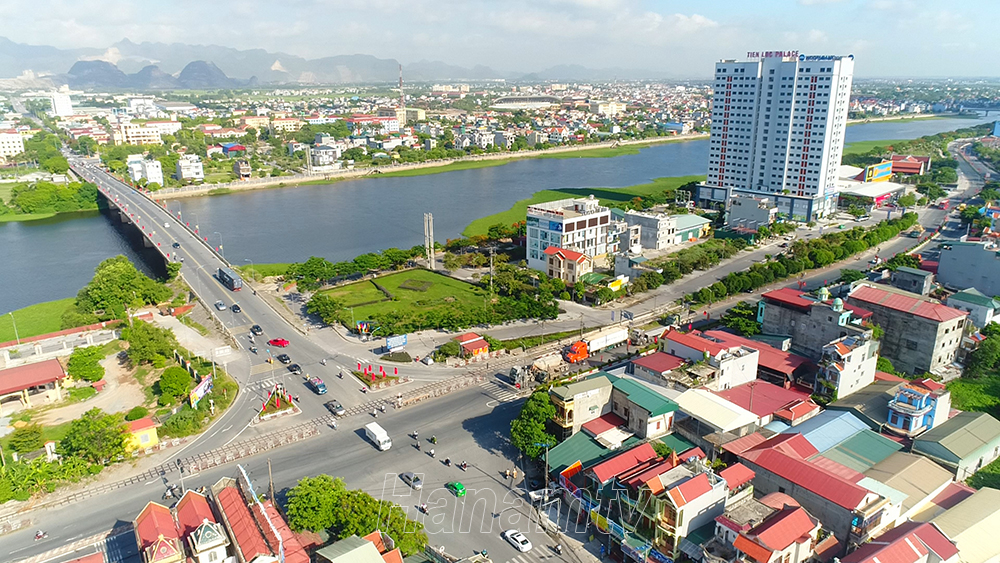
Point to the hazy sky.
(888, 37)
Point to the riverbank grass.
(861, 147)
(258, 271)
(453, 167)
(413, 292)
(34, 320)
(606, 195)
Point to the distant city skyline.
(904, 38)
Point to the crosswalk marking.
(531, 557)
(499, 391)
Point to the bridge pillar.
(123, 217)
(146, 242)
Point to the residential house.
(242, 170)
(376, 547)
(951, 495)
(709, 421)
(912, 481)
(324, 155)
(982, 310)
(655, 367)
(737, 522)
(567, 265)
(913, 280)
(504, 139)
(201, 533)
(771, 402)
(657, 231)
(847, 365)
(921, 335)
(811, 321)
(472, 345)
(901, 407)
(537, 138)
(731, 364)
(286, 124)
(156, 535)
(579, 403)
(248, 522)
(190, 168)
(747, 212)
(845, 441)
(578, 224)
(910, 542)
(604, 403)
(142, 435)
(963, 444)
(647, 414)
(788, 535)
(11, 144)
(778, 366)
(972, 524)
(258, 122)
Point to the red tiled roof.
(567, 254)
(659, 362)
(192, 510)
(693, 452)
(154, 521)
(141, 424)
(789, 296)
(244, 531)
(796, 409)
(811, 477)
(622, 462)
(467, 337)
(792, 444)
(768, 357)
(690, 489)
(953, 494)
(929, 384)
(654, 470)
(20, 378)
(778, 501)
(910, 157)
(906, 543)
(471, 347)
(294, 552)
(783, 528)
(740, 445)
(694, 340)
(761, 398)
(602, 424)
(837, 468)
(906, 304)
(858, 311)
(736, 475)
(883, 376)
(752, 549)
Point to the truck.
(583, 349)
(229, 279)
(547, 367)
(378, 436)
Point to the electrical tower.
(429, 240)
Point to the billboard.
(199, 392)
(880, 172)
(395, 342)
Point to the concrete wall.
(954, 269)
(916, 344)
(811, 331)
(912, 282)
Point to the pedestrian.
(506, 473)
(515, 474)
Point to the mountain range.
(148, 65)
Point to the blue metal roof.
(828, 428)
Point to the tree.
(848, 275)
(969, 214)
(604, 295)
(96, 437)
(908, 200)
(312, 501)
(328, 308)
(175, 382)
(985, 358)
(883, 364)
(147, 342)
(451, 262)
(742, 318)
(661, 449)
(117, 286)
(357, 513)
(528, 429)
(27, 439)
(136, 413)
(855, 211)
(989, 194)
(84, 363)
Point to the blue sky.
(682, 39)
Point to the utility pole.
(429, 240)
(270, 481)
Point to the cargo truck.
(583, 349)
(378, 436)
(229, 279)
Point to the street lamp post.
(11, 313)
(545, 445)
(222, 249)
(252, 270)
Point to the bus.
(230, 279)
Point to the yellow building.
(142, 434)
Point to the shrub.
(84, 363)
(136, 413)
(27, 439)
(175, 382)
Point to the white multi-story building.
(577, 224)
(189, 167)
(778, 126)
(127, 133)
(609, 109)
(848, 364)
(152, 171)
(62, 105)
(164, 127)
(11, 143)
(657, 230)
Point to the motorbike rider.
(432, 452)
(447, 461)
(40, 534)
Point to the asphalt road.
(467, 425)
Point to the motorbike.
(464, 466)
(434, 439)
(323, 361)
(340, 375)
(253, 349)
(423, 508)
(40, 535)
(364, 389)
(447, 462)
(559, 549)
(432, 453)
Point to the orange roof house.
(472, 345)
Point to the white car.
(517, 540)
(220, 305)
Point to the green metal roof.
(581, 447)
(591, 278)
(862, 450)
(976, 297)
(643, 396)
(353, 549)
(676, 443)
(567, 392)
(960, 437)
(618, 214)
(913, 271)
(689, 221)
(700, 536)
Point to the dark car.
(283, 358)
(295, 368)
(176, 245)
(256, 330)
(236, 308)
(335, 408)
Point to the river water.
(52, 259)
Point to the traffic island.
(279, 403)
(375, 381)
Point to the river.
(52, 259)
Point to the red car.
(279, 342)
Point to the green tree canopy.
(27, 439)
(175, 382)
(118, 285)
(742, 318)
(848, 275)
(148, 342)
(84, 363)
(96, 437)
(312, 501)
(528, 429)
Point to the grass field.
(453, 167)
(25, 217)
(988, 476)
(861, 147)
(431, 291)
(606, 195)
(5, 189)
(33, 320)
(981, 394)
(265, 270)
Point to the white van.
(378, 436)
